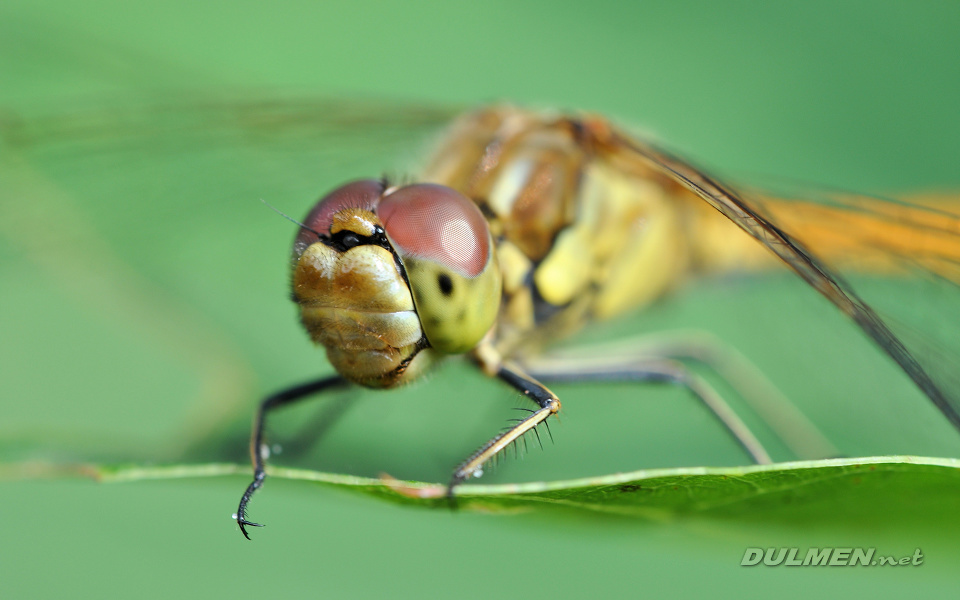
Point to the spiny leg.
(791, 426)
(282, 398)
(663, 371)
(548, 404)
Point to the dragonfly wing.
(338, 129)
(902, 257)
(146, 217)
(209, 159)
(812, 253)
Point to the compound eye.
(436, 223)
(363, 194)
(446, 249)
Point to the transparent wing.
(338, 132)
(900, 257)
(133, 239)
(854, 250)
(207, 159)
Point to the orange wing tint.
(870, 235)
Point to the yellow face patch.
(455, 311)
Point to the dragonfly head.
(382, 274)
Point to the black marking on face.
(350, 239)
(422, 344)
(446, 285)
(345, 239)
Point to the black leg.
(662, 371)
(282, 398)
(794, 429)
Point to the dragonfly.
(521, 228)
(525, 226)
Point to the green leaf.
(889, 488)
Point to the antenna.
(289, 218)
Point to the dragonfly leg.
(790, 425)
(317, 427)
(257, 455)
(662, 371)
(548, 404)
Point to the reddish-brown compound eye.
(445, 247)
(363, 194)
(436, 223)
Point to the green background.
(143, 288)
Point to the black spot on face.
(446, 285)
(345, 239)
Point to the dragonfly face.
(388, 279)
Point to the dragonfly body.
(530, 225)
(568, 229)
(556, 220)
(582, 230)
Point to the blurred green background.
(143, 306)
